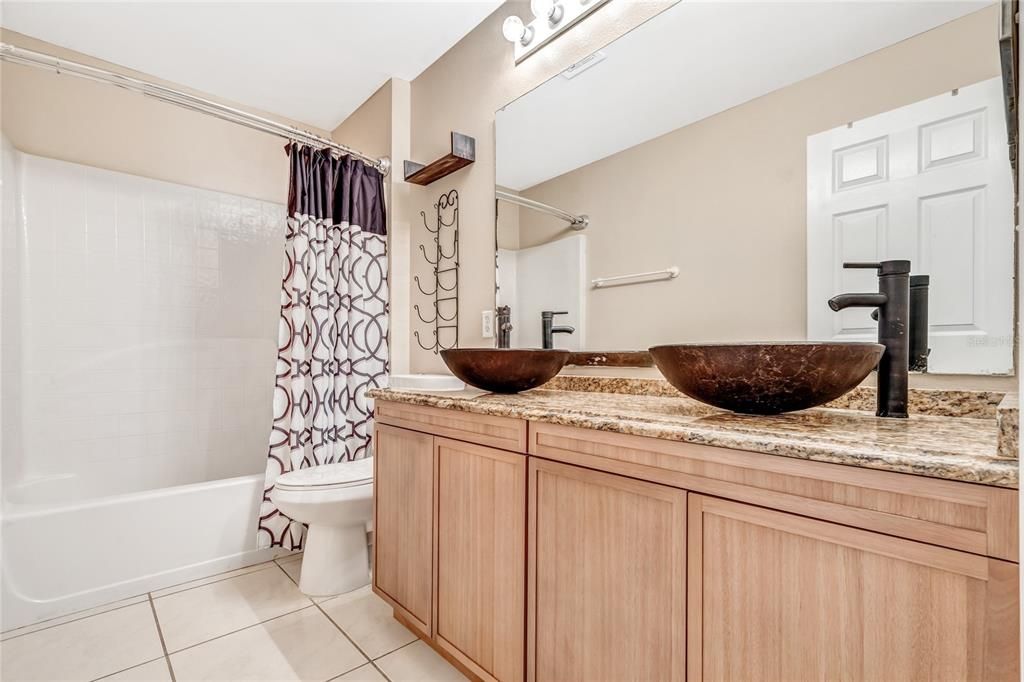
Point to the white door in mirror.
(929, 182)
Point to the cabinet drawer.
(497, 432)
(965, 516)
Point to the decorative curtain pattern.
(334, 324)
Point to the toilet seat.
(328, 476)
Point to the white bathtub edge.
(19, 611)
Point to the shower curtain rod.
(576, 222)
(18, 55)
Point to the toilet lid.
(340, 475)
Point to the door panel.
(481, 558)
(403, 503)
(606, 577)
(781, 597)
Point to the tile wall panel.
(148, 316)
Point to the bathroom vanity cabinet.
(450, 540)
(526, 550)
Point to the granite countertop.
(953, 448)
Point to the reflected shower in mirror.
(727, 161)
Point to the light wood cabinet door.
(775, 596)
(606, 577)
(479, 615)
(403, 522)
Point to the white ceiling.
(315, 62)
(690, 62)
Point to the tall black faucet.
(893, 304)
(548, 332)
(919, 350)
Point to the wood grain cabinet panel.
(606, 577)
(974, 518)
(403, 506)
(775, 596)
(481, 558)
(507, 433)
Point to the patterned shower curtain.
(332, 338)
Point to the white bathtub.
(60, 558)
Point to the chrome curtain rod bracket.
(18, 55)
(576, 222)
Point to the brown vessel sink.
(505, 370)
(766, 378)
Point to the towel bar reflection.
(636, 278)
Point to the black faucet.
(893, 304)
(919, 350)
(504, 325)
(548, 332)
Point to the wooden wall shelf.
(463, 153)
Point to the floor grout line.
(151, 600)
(344, 634)
(255, 569)
(160, 632)
(232, 632)
(358, 648)
(361, 665)
(398, 648)
(262, 622)
(118, 672)
(8, 635)
(141, 597)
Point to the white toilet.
(336, 500)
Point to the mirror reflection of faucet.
(548, 331)
(504, 326)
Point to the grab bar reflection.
(619, 280)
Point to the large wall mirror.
(705, 177)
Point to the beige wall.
(380, 127)
(507, 229)
(368, 128)
(461, 91)
(72, 119)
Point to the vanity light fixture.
(549, 10)
(551, 19)
(515, 31)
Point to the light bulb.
(515, 31)
(542, 8)
(547, 10)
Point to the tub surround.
(952, 448)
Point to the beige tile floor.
(252, 624)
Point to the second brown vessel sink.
(766, 378)
(505, 370)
